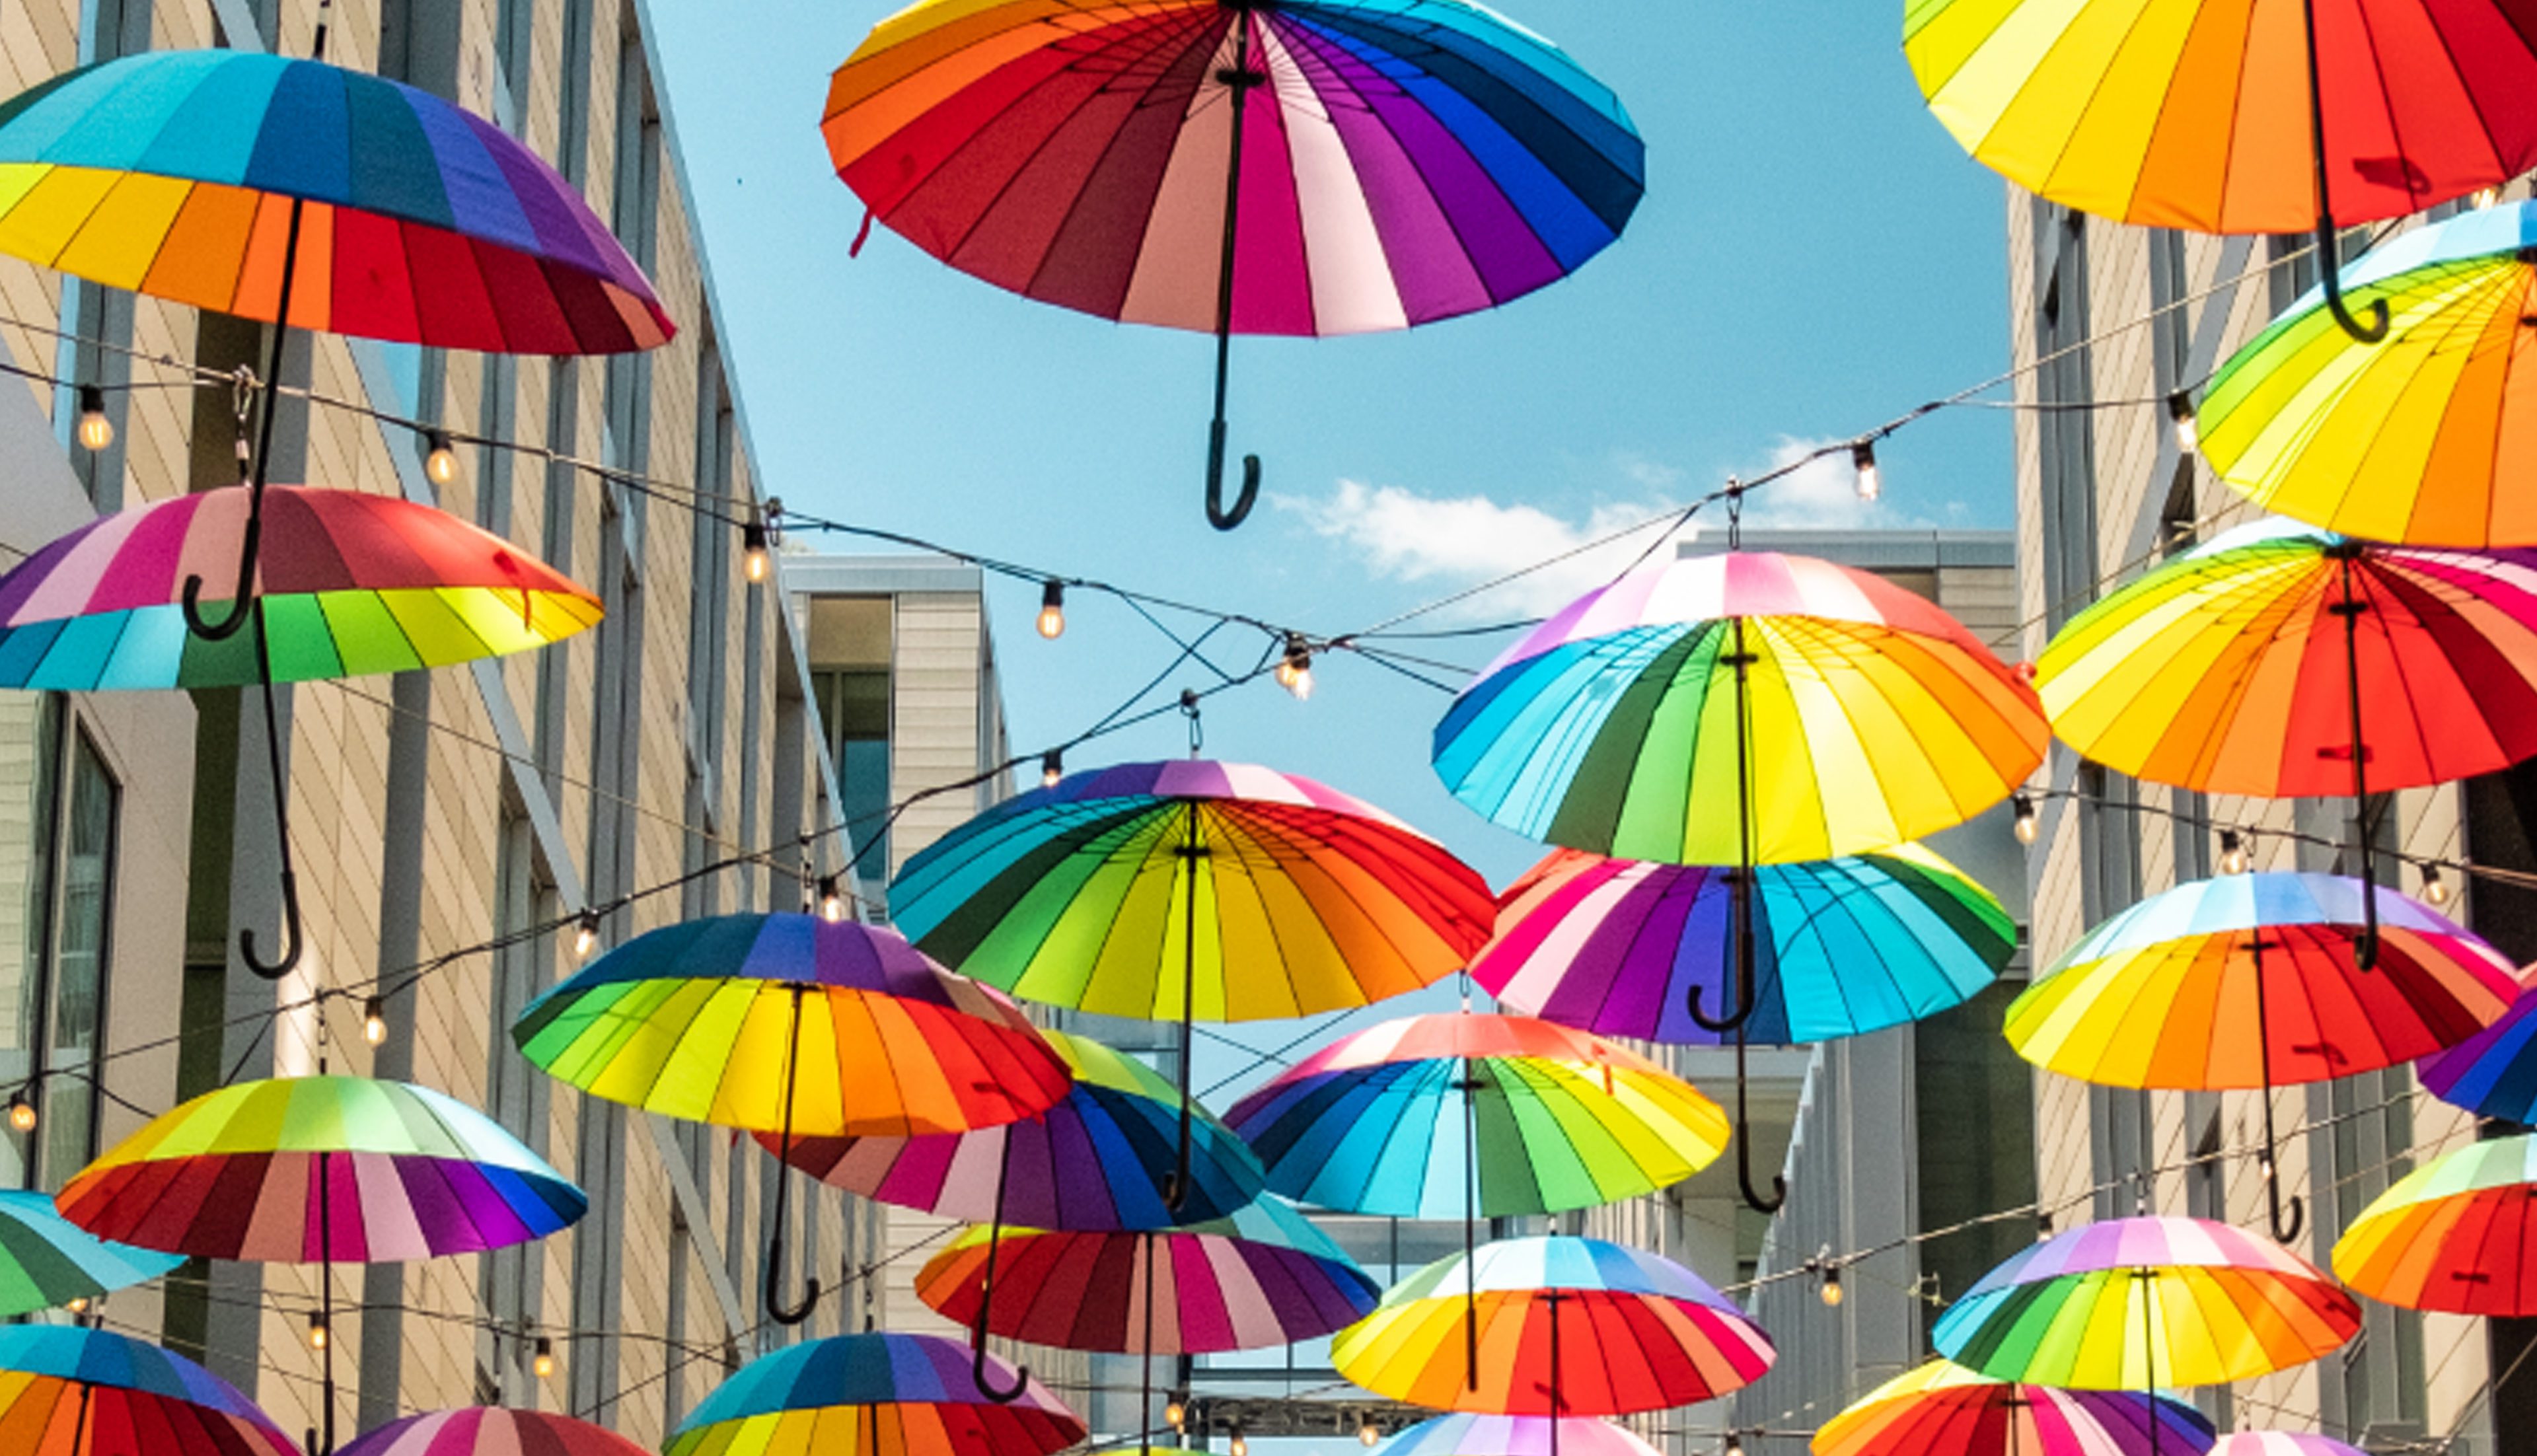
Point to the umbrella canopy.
(1456, 1114)
(2281, 1443)
(877, 1394)
(1937, 1409)
(1307, 900)
(1468, 1434)
(47, 1261)
(2492, 1074)
(2410, 439)
(2228, 669)
(760, 1021)
(1874, 716)
(1092, 1163)
(1604, 1330)
(490, 1430)
(2074, 1309)
(1261, 1278)
(1845, 946)
(2453, 1235)
(85, 1392)
(1399, 162)
(2166, 993)
(2202, 115)
(350, 584)
(336, 1169)
(175, 173)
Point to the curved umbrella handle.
(2284, 1232)
(987, 1288)
(293, 942)
(227, 626)
(2329, 258)
(1744, 1148)
(1742, 895)
(1216, 515)
(978, 1368)
(1734, 1021)
(777, 1310)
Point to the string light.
(585, 935)
(1052, 767)
(96, 430)
(1295, 671)
(1735, 1445)
(543, 1364)
(1176, 1412)
(374, 1021)
(1238, 1446)
(753, 541)
(318, 1334)
(78, 1305)
(1862, 458)
(21, 1111)
(2435, 891)
(2042, 1227)
(832, 900)
(2024, 825)
(2179, 414)
(1367, 1435)
(441, 462)
(2485, 197)
(1829, 1269)
(1051, 609)
(2233, 852)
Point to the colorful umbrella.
(2492, 1073)
(1402, 160)
(2453, 1235)
(2407, 441)
(1094, 1163)
(1839, 713)
(321, 1170)
(1264, 1277)
(2225, 118)
(1189, 889)
(80, 1391)
(2254, 982)
(1464, 1434)
(490, 1430)
(47, 1261)
(2254, 663)
(1639, 1333)
(2132, 1303)
(352, 584)
(874, 1394)
(1937, 1409)
(1843, 947)
(2281, 1443)
(714, 1020)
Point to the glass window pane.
(78, 964)
(29, 771)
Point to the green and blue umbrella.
(83, 1392)
(874, 1394)
(46, 1261)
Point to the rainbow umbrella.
(47, 1261)
(321, 1170)
(874, 1394)
(2254, 982)
(2453, 1235)
(2255, 663)
(2492, 1073)
(2127, 1303)
(1465, 1434)
(2407, 441)
(1837, 711)
(490, 1430)
(1094, 1163)
(715, 1020)
(1640, 1333)
(2281, 1443)
(2218, 118)
(1308, 167)
(1937, 1409)
(81, 1392)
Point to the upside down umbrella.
(1938, 1409)
(789, 1023)
(2130, 1303)
(2453, 1235)
(1303, 167)
(2238, 118)
(1838, 713)
(2412, 440)
(308, 195)
(2253, 981)
(47, 1261)
(874, 1394)
(90, 1392)
(490, 1430)
(321, 1170)
(2283, 662)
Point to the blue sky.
(1814, 256)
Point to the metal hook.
(986, 1296)
(776, 1309)
(1744, 1148)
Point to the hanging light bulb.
(1862, 458)
(1295, 671)
(1051, 609)
(2024, 825)
(78, 1305)
(96, 430)
(2180, 417)
(441, 462)
(1830, 1289)
(2233, 852)
(544, 1362)
(1176, 1412)
(832, 900)
(1052, 766)
(318, 1334)
(2485, 197)
(753, 541)
(374, 1021)
(21, 1111)
(1735, 1445)
(1367, 1435)
(1238, 1446)
(585, 935)
(2436, 890)
(2042, 1227)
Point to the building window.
(63, 799)
(853, 707)
(2065, 438)
(1965, 1074)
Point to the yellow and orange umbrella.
(2458, 1234)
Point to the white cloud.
(1449, 541)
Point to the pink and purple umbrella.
(490, 1430)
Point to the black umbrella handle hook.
(292, 940)
(1216, 515)
(777, 1310)
(1744, 1148)
(987, 1294)
(1741, 881)
(2329, 257)
(1239, 78)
